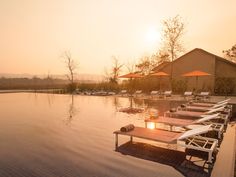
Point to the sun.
(153, 35)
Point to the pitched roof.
(163, 65)
(160, 66)
(217, 57)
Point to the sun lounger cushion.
(173, 110)
(154, 92)
(127, 128)
(204, 93)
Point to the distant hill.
(82, 78)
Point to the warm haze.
(34, 33)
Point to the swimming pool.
(59, 135)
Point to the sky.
(35, 33)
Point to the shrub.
(179, 86)
(224, 85)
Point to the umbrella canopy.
(160, 74)
(196, 74)
(131, 75)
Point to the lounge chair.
(203, 95)
(154, 93)
(111, 93)
(123, 92)
(138, 92)
(190, 139)
(196, 115)
(193, 114)
(187, 123)
(199, 108)
(167, 94)
(188, 95)
(203, 104)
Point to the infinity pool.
(50, 135)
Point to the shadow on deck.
(185, 163)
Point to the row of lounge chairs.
(153, 93)
(187, 95)
(196, 127)
(161, 94)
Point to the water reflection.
(135, 106)
(162, 105)
(116, 102)
(71, 111)
(36, 142)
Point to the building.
(222, 79)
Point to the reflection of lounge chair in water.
(188, 123)
(190, 139)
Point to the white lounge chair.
(196, 115)
(190, 139)
(204, 95)
(123, 92)
(201, 108)
(203, 104)
(188, 123)
(188, 94)
(138, 92)
(154, 92)
(167, 94)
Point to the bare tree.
(130, 67)
(146, 64)
(230, 54)
(173, 31)
(161, 57)
(71, 66)
(113, 74)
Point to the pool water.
(51, 135)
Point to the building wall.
(225, 69)
(195, 60)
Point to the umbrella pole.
(160, 85)
(196, 83)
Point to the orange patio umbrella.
(159, 74)
(196, 74)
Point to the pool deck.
(224, 165)
(225, 160)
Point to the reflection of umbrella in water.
(131, 76)
(131, 109)
(160, 74)
(196, 74)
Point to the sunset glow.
(153, 36)
(35, 33)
